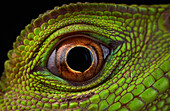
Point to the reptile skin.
(136, 75)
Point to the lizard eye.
(77, 58)
(76, 53)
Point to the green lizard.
(135, 76)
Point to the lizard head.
(126, 48)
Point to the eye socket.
(78, 58)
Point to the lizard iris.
(78, 57)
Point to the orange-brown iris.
(76, 58)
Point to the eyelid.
(55, 82)
(51, 41)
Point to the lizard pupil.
(79, 59)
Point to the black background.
(16, 15)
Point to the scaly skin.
(135, 77)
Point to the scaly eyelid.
(50, 43)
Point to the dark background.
(16, 15)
